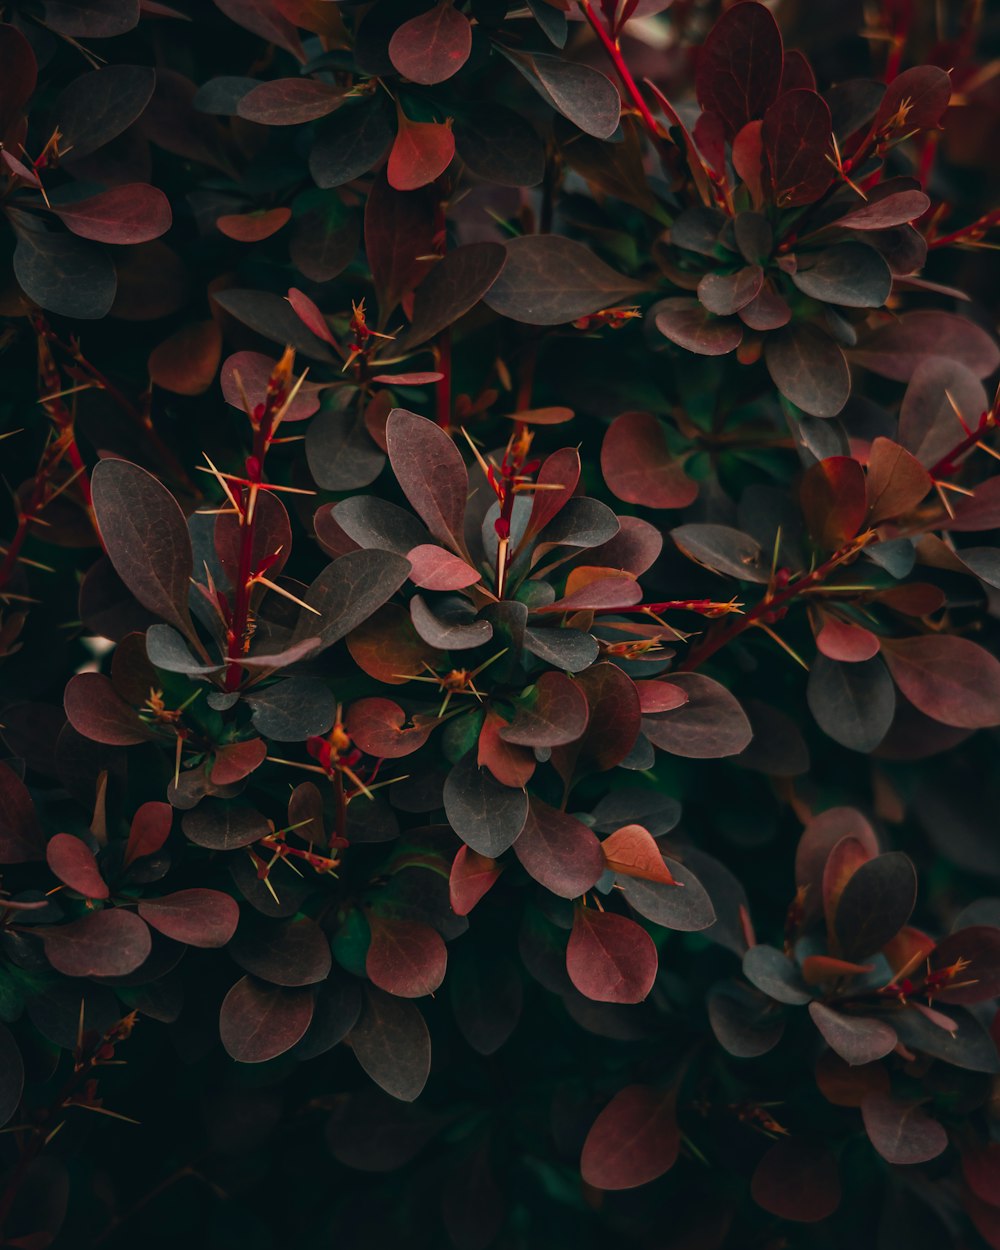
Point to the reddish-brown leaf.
(610, 958)
(404, 957)
(797, 136)
(797, 1180)
(186, 363)
(631, 851)
(196, 917)
(512, 765)
(472, 876)
(72, 860)
(134, 213)
(253, 227)
(634, 1140)
(433, 568)
(834, 501)
(378, 727)
(422, 151)
(739, 66)
(559, 851)
(432, 46)
(97, 712)
(259, 1022)
(150, 829)
(896, 483)
(109, 943)
(901, 1131)
(638, 465)
(950, 679)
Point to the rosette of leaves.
(879, 991)
(784, 252)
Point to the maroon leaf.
(725, 294)
(559, 851)
(392, 1044)
(18, 74)
(634, 1140)
(196, 917)
(834, 501)
(378, 727)
(259, 1022)
(472, 876)
(902, 1132)
(186, 363)
(486, 815)
(856, 1039)
(237, 760)
(253, 227)
(433, 568)
(97, 712)
(711, 724)
(896, 482)
(399, 241)
(511, 765)
(845, 641)
(915, 99)
(220, 826)
(254, 369)
(797, 1180)
(150, 829)
(688, 324)
(551, 713)
(948, 678)
(739, 66)
(422, 151)
(610, 958)
(798, 140)
(549, 280)
(894, 210)
(981, 1169)
(895, 348)
(21, 838)
(405, 958)
(638, 466)
(72, 860)
(289, 101)
(130, 214)
(455, 285)
(431, 473)
(614, 721)
(432, 46)
(146, 538)
(109, 943)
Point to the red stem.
(611, 47)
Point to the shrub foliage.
(500, 583)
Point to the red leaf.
(834, 501)
(896, 481)
(392, 1044)
(857, 1039)
(432, 46)
(253, 227)
(559, 851)
(610, 958)
(134, 213)
(109, 943)
(259, 1022)
(613, 725)
(797, 1180)
(73, 863)
(97, 712)
(562, 470)
(842, 640)
(748, 160)
(197, 917)
(634, 1140)
(739, 67)
(431, 473)
(949, 679)
(405, 958)
(472, 876)
(433, 568)
(309, 314)
(289, 101)
(388, 648)
(421, 152)
(902, 1132)
(709, 725)
(660, 696)
(512, 765)
(378, 727)
(186, 363)
(638, 466)
(21, 838)
(631, 851)
(797, 137)
(150, 829)
(237, 760)
(981, 1169)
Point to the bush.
(502, 585)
